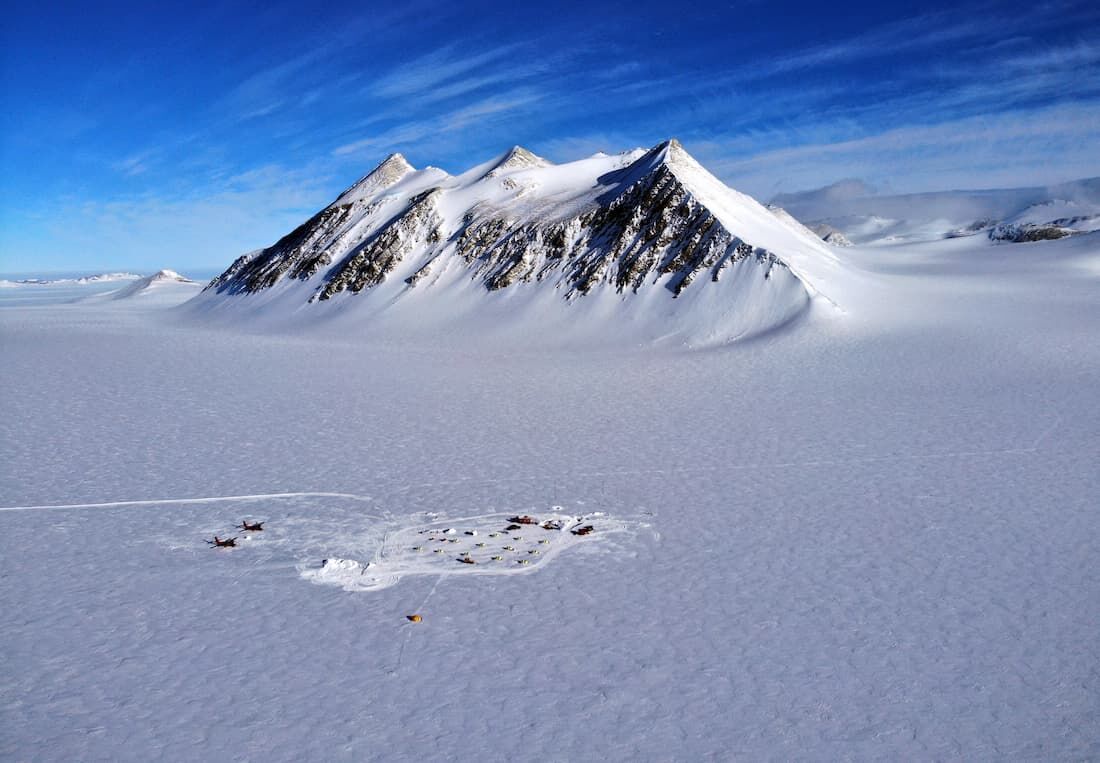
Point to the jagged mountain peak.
(392, 169)
(168, 275)
(673, 154)
(670, 150)
(516, 158)
(148, 284)
(394, 165)
(645, 225)
(667, 155)
(669, 146)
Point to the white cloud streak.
(428, 72)
(151, 231)
(440, 125)
(1016, 148)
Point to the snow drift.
(646, 242)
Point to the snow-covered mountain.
(650, 237)
(830, 235)
(1004, 215)
(825, 232)
(159, 282)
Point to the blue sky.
(140, 137)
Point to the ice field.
(871, 534)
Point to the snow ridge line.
(214, 499)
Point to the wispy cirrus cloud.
(907, 34)
(439, 125)
(149, 231)
(965, 30)
(135, 164)
(267, 90)
(922, 99)
(428, 72)
(306, 72)
(1014, 148)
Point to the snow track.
(161, 501)
(974, 453)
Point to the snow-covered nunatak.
(641, 229)
(151, 283)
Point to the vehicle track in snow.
(978, 453)
(210, 499)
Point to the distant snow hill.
(1010, 215)
(158, 283)
(92, 279)
(645, 240)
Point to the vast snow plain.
(872, 533)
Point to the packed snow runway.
(872, 536)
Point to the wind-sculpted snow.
(624, 225)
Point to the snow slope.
(644, 243)
(869, 537)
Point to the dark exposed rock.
(652, 228)
(369, 263)
(1027, 233)
(301, 252)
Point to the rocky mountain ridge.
(638, 225)
(643, 227)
